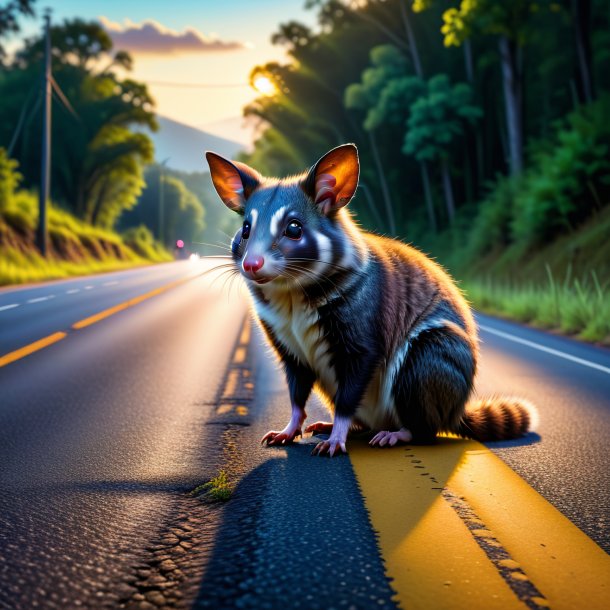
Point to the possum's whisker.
(334, 265)
(316, 279)
(220, 246)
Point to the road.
(107, 432)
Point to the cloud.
(153, 38)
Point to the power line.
(160, 83)
(21, 121)
(63, 99)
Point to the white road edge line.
(548, 350)
(11, 306)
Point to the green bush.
(141, 241)
(491, 227)
(9, 180)
(568, 178)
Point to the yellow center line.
(435, 554)
(237, 378)
(31, 348)
(100, 316)
(130, 303)
(46, 341)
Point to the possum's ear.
(233, 181)
(332, 181)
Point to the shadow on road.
(296, 533)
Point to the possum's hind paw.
(320, 427)
(385, 438)
(284, 437)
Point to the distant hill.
(185, 146)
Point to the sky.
(216, 42)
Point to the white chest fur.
(296, 326)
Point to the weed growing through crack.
(219, 488)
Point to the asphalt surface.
(567, 461)
(104, 435)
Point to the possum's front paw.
(283, 437)
(337, 438)
(329, 447)
(290, 432)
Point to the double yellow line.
(36, 346)
(458, 529)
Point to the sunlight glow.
(264, 85)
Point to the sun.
(264, 85)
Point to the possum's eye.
(245, 231)
(294, 230)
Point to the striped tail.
(498, 418)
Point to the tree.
(436, 120)
(386, 93)
(581, 11)
(97, 160)
(508, 21)
(183, 211)
(387, 64)
(9, 18)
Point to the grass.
(75, 247)
(219, 488)
(579, 307)
(17, 267)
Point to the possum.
(380, 330)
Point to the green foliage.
(579, 307)
(75, 247)
(9, 18)
(385, 91)
(490, 229)
(512, 19)
(142, 242)
(97, 160)
(568, 178)
(183, 212)
(395, 102)
(438, 118)
(219, 488)
(9, 180)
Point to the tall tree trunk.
(581, 17)
(476, 167)
(425, 176)
(374, 208)
(448, 188)
(511, 58)
(385, 191)
(468, 63)
(415, 58)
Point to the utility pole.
(45, 177)
(161, 198)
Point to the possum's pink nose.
(253, 264)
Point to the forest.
(456, 110)
(483, 132)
